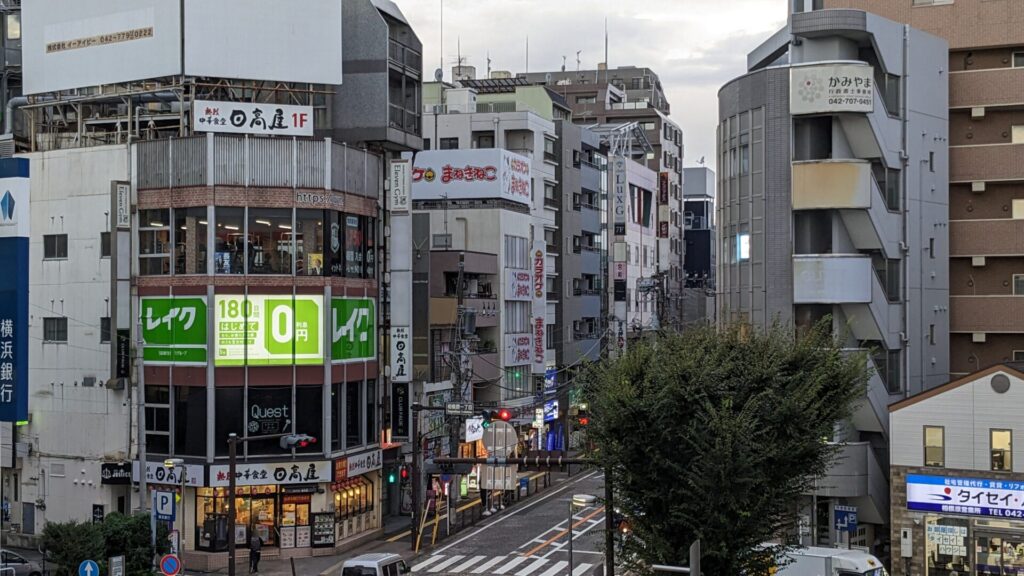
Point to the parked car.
(372, 565)
(21, 567)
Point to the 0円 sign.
(173, 330)
(249, 118)
(268, 330)
(970, 496)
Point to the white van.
(375, 565)
(815, 561)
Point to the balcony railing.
(831, 278)
(550, 156)
(402, 119)
(976, 88)
(551, 202)
(405, 56)
(986, 163)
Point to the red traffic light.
(504, 414)
(584, 420)
(307, 441)
(404, 473)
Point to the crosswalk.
(508, 565)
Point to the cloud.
(694, 46)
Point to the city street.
(531, 540)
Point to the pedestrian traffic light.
(392, 477)
(504, 414)
(404, 473)
(297, 441)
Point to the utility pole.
(459, 381)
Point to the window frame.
(105, 248)
(925, 446)
(1008, 452)
(1017, 133)
(105, 332)
(1014, 59)
(56, 247)
(1013, 285)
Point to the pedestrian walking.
(255, 550)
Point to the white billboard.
(283, 40)
(69, 45)
(249, 118)
(831, 88)
(484, 173)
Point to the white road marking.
(445, 564)
(430, 560)
(582, 569)
(511, 564)
(465, 565)
(532, 567)
(483, 567)
(558, 568)
(519, 510)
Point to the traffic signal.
(403, 472)
(392, 477)
(584, 420)
(297, 441)
(486, 416)
(504, 414)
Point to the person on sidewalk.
(255, 547)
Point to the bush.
(68, 544)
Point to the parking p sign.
(163, 506)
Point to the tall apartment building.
(986, 171)
(832, 200)
(233, 244)
(701, 242)
(624, 95)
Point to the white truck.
(815, 561)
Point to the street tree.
(715, 434)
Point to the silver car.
(12, 564)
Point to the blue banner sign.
(14, 241)
(969, 496)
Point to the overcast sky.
(693, 45)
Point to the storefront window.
(190, 240)
(1002, 450)
(947, 546)
(309, 403)
(352, 498)
(154, 242)
(269, 412)
(353, 408)
(272, 240)
(310, 253)
(354, 246)
(190, 420)
(229, 241)
(295, 509)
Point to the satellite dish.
(438, 75)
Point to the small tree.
(715, 434)
(68, 544)
(130, 536)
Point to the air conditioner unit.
(978, 337)
(977, 187)
(978, 112)
(978, 261)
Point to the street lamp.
(171, 464)
(578, 501)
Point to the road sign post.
(116, 566)
(88, 568)
(163, 506)
(846, 521)
(459, 409)
(170, 565)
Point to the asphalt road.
(531, 540)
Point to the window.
(190, 240)
(931, 2)
(158, 419)
(55, 329)
(449, 144)
(517, 252)
(55, 246)
(441, 241)
(517, 317)
(105, 329)
(1017, 134)
(271, 241)
(14, 26)
(154, 242)
(104, 244)
(229, 241)
(310, 258)
(742, 247)
(934, 446)
(1002, 449)
(1018, 355)
(1018, 59)
(592, 99)
(1018, 284)
(745, 159)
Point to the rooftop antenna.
(488, 63)
(606, 66)
(441, 56)
(563, 63)
(578, 52)
(701, 160)
(527, 53)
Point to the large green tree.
(715, 434)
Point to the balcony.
(871, 413)
(999, 87)
(833, 184)
(1002, 237)
(857, 475)
(986, 163)
(405, 56)
(986, 314)
(443, 311)
(831, 279)
(404, 120)
(552, 203)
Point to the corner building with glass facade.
(256, 281)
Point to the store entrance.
(1000, 553)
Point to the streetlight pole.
(171, 464)
(581, 501)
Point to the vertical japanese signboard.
(173, 330)
(401, 350)
(540, 306)
(353, 329)
(401, 185)
(619, 195)
(14, 239)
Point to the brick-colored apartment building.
(986, 180)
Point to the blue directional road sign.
(88, 568)
(846, 519)
(163, 506)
